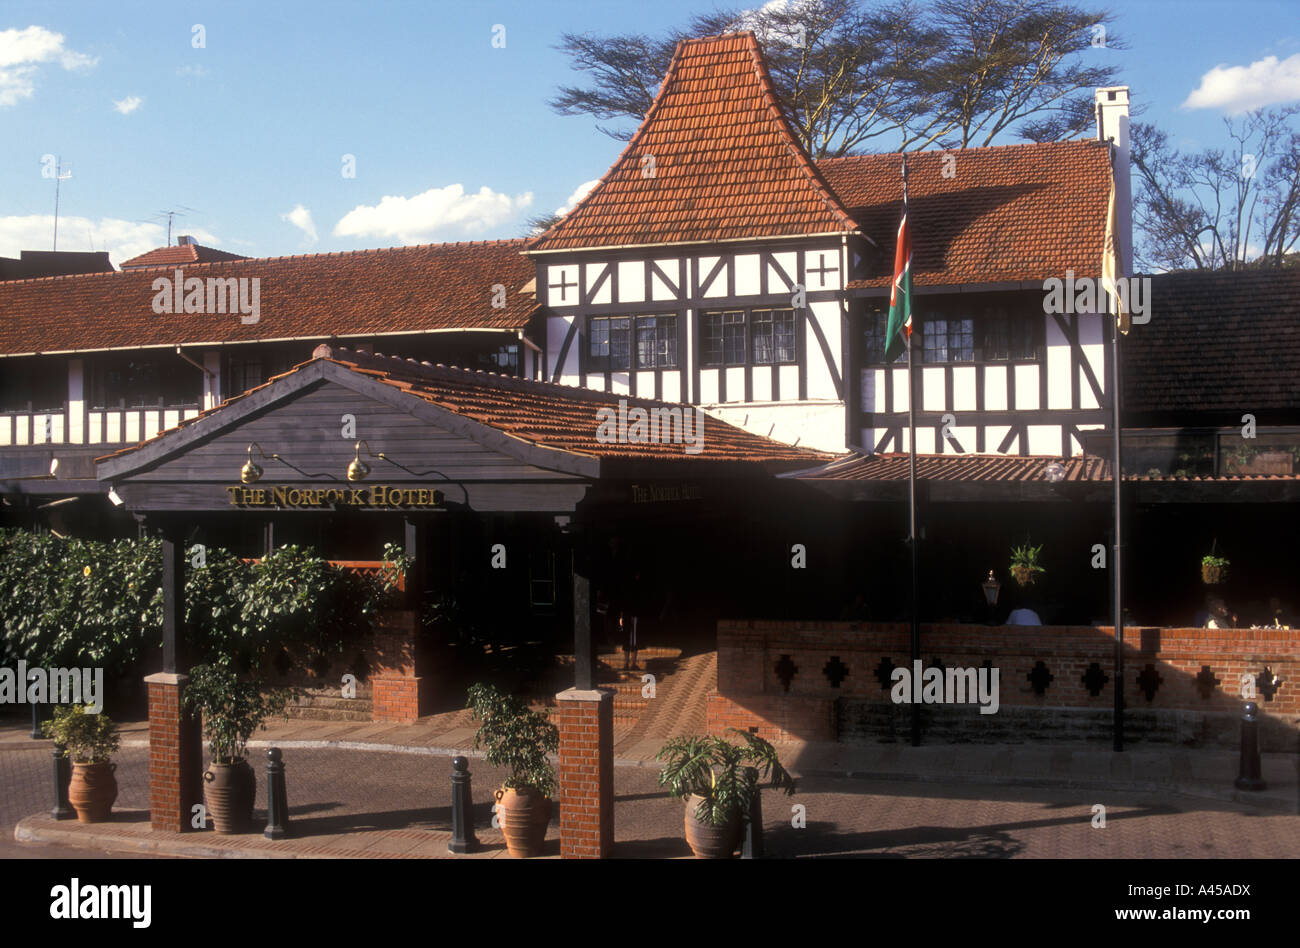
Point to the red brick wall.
(751, 695)
(175, 756)
(586, 773)
(398, 694)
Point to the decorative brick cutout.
(1094, 679)
(1040, 678)
(885, 673)
(1149, 681)
(1206, 682)
(835, 671)
(786, 670)
(1268, 683)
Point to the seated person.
(1024, 615)
(1220, 617)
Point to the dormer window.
(610, 346)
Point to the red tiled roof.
(541, 413)
(1217, 342)
(401, 289)
(182, 253)
(1007, 213)
(726, 164)
(1000, 468)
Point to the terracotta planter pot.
(1213, 575)
(708, 841)
(228, 792)
(1023, 574)
(92, 790)
(523, 815)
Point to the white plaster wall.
(719, 285)
(995, 387)
(631, 281)
(556, 273)
(827, 316)
(557, 327)
(672, 387)
(1026, 387)
(932, 394)
(789, 261)
(1044, 439)
(659, 290)
(822, 258)
(747, 280)
(76, 401)
(762, 384)
(1092, 339)
(604, 294)
(1058, 366)
(735, 383)
(815, 424)
(901, 398)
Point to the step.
(328, 714)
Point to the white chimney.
(1112, 126)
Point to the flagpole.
(1117, 476)
(911, 499)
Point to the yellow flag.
(1110, 265)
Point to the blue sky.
(452, 138)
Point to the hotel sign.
(370, 497)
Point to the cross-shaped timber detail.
(562, 286)
(821, 270)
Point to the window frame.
(603, 364)
(746, 340)
(1015, 311)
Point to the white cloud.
(128, 105)
(1236, 89)
(419, 219)
(21, 51)
(121, 238)
(198, 72)
(580, 192)
(300, 218)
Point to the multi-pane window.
(771, 331)
(610, 343)
(506, 359)
(772, 335)
(656, 342)
(1006, 337)
(144, 383)
(948, 340)
(877, 327)
(40, 384)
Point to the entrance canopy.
(354, 431)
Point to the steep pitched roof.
(182, 253)
(725, 163)
(545, 414)
(1006, 213)
(401, 289)
(1217, 341)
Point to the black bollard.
(1248, 776)
(277, 799)
(463, 839)
(751, 845)
(36, 722)
(62, 776)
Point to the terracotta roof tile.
(401, 289)
(1007, 213)
(726, 164)
(542, 413)
(1000, 468)
(182, 253)
(1217, 341)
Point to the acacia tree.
(1219, 208)
(953, 73)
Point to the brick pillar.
(586, 722)
(175, 755)
(398, 693)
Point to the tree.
(952, 73)
(1219, 209)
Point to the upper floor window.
(993, 335)
(771, 337)
(611, 349)
(144, 382)
(506, 359)
(33, 383)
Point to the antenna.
(59, 176)
(171, 214)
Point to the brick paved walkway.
(397, 805)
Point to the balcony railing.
(83, 425)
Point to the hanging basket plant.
(1024, 563)
(1214, 570)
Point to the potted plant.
(719, 780)
(232, 710)
(519, 739)
(1214, 569)
(1024, 563)
(90, 740)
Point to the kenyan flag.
(899, 331)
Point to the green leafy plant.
(232, 709)
(725, 774)
(1025, 559)
(515, 737)
(1211, 560)
(88, 738)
